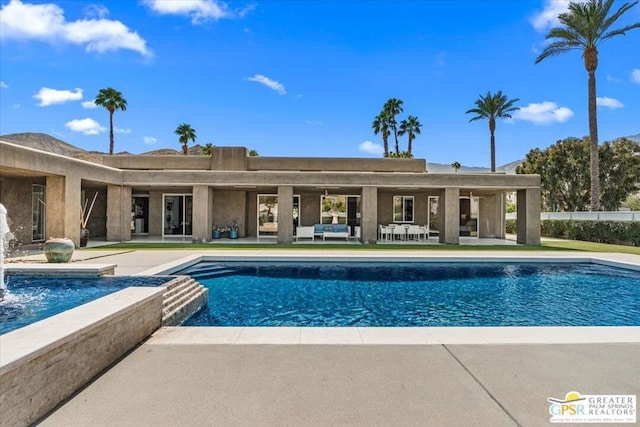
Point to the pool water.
(416, 294)
(30, 299)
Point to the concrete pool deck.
(375, 376)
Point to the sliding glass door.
(178, 212)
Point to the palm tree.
(393, 107)
(456, 166)
(585, 27)
(381, 124)
(411, 126)
(207, 149)
(493, 107)
(186, 133)
(112, 100)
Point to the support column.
(528, 222)
(118, 213)
(369, 215)
(202, 217)
(492, 212)
(285, 214)
(54, 210)
(449, 213)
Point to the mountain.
(44, 142)
(635, 138)
(509, 168)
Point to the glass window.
(402, 208)
(267, 215)
(333, 210)
(38, 203)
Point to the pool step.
(209, 271)
(184, 296)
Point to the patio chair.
(399, 232)
(414, 233)
(384, 232)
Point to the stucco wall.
(229, 206)
(15, 195)
(309, 208)
(97, 224)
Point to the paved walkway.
(186, 377)
(386, 385)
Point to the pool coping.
(60, 269)
(400, 335)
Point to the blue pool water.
(416, 294)
(30, 299)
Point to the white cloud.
(121, 130)
(271, 84)
(635, 75)
(96, 10)
(46, 23)
(543, 113)
(3, 85)
(200, 11)
(548, 17)
(89, 105)
(85, 126)
(149, 140)
(608, 102)
(371, 147)
(610, 78)
(314, 122)
(48, 96)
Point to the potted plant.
(216, 232)
(233, 230)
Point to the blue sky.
(305, 78)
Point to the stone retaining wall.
(43, 364)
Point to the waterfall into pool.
(4, 231)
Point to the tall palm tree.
(381, 124)
(185, 133)
(393, 107)
(112, 100)
(456, 166)
(585, 27)
(411, 126)
(492, 107)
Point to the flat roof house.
(267, 197)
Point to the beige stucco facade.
(225, 188)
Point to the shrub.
(510, 226)
(553, 228)
(613, 232)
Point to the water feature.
(5, 236)
(33, 298)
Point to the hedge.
(613, 232)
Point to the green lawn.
(559, 245)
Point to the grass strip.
(555, 245)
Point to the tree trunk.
(110, 131)
(492, 129)
(395, 134)
(593, 146)
(409, 144)
(385, 140)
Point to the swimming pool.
(416, 294)
(33, 298)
